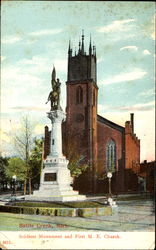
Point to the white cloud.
(17, 86)
(39, 129)
(102, 108)
(45, 32)
(153, 35)
(11, 39)
(143, 127)
(99, 60)
(118, 25)
(15, 74)
(29, 108)
(60, 65)
(39, 64)
(139, 107)
(133, 48)
(4, 136)
(153, 27)
(149, 92)
(146, 52)
(3, 58)
(25, 77)
(125, 77)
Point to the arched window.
(111, 156)
(79, 95)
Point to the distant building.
(102, 144)
(146, 176)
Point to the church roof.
(110, 123)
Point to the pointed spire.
(82, 47)
(69, 49)
(79, 45)
(90, 46)
(94, 49)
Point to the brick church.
(102, 144)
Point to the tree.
(76, 167)
(24, 142)
(3, 166)
(16, 166)
(35, 160)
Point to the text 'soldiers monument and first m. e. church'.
(55, 176)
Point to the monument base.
(55, 176)
(61, 198)
(55, 182)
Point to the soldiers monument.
(55, 176)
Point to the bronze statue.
(54, 95)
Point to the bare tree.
(23, 145)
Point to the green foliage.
(16, 166)
(80, 204)
(35, 160)
(76, 168)
(3, 166)
(37, 204)
(77, 162)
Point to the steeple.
(90, 47)
(94, 50)
(82, 66)
(82, 47)
(69, 50)
(79, 46)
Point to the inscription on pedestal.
(50, 177)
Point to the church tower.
(81, 120)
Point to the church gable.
(110, 123)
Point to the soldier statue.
(54, 95)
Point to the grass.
(85, 204)
(130, 198)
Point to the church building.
(102, 144)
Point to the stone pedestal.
(55, 177)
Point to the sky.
(35, 36)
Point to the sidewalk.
(128, 217)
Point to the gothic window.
(79, 95)
(111, 156)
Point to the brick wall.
(104, 134)
(132, 148)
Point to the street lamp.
(14, 183)
(110, 199)
(109, 175)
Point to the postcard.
(77, 125)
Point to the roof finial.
(94, 49)
(79, 45)
(69, 49)
(90, 46)
(82, 48)
(69, 46)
